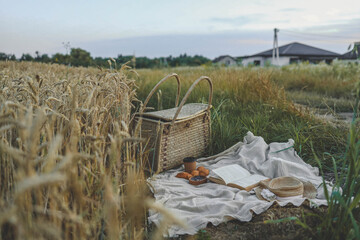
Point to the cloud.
(333, 32)
(239, 20)
(291, 10)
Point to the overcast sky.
(168, 27)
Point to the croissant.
(183, 175)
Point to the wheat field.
(70, 166)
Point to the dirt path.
(343, 118)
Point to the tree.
(123, 59)
(26, 57)
(12, 57)
(100, 62)
(60, 58)
(45, 58)
(3, 56)
(37, 56)
(80, 57)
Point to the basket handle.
(157, 86)
(188, 93)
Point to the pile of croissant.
(200, 171)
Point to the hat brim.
(308, 190)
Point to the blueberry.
(197, 178)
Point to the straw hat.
(287, 187)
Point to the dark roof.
(352, 54)
(223, 56)
(298, 49)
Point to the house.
(225, 60)
(353, 55)
(291, 53)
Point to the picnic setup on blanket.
(245, 179)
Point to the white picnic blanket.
(210, 202)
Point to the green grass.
(343, 215)
(335, 81)
(248, 99)
(230, 124)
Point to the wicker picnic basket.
(176, 133)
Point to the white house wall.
(250, 60)
(227, 61)
(283, 60)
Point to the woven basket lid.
(188, 110)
